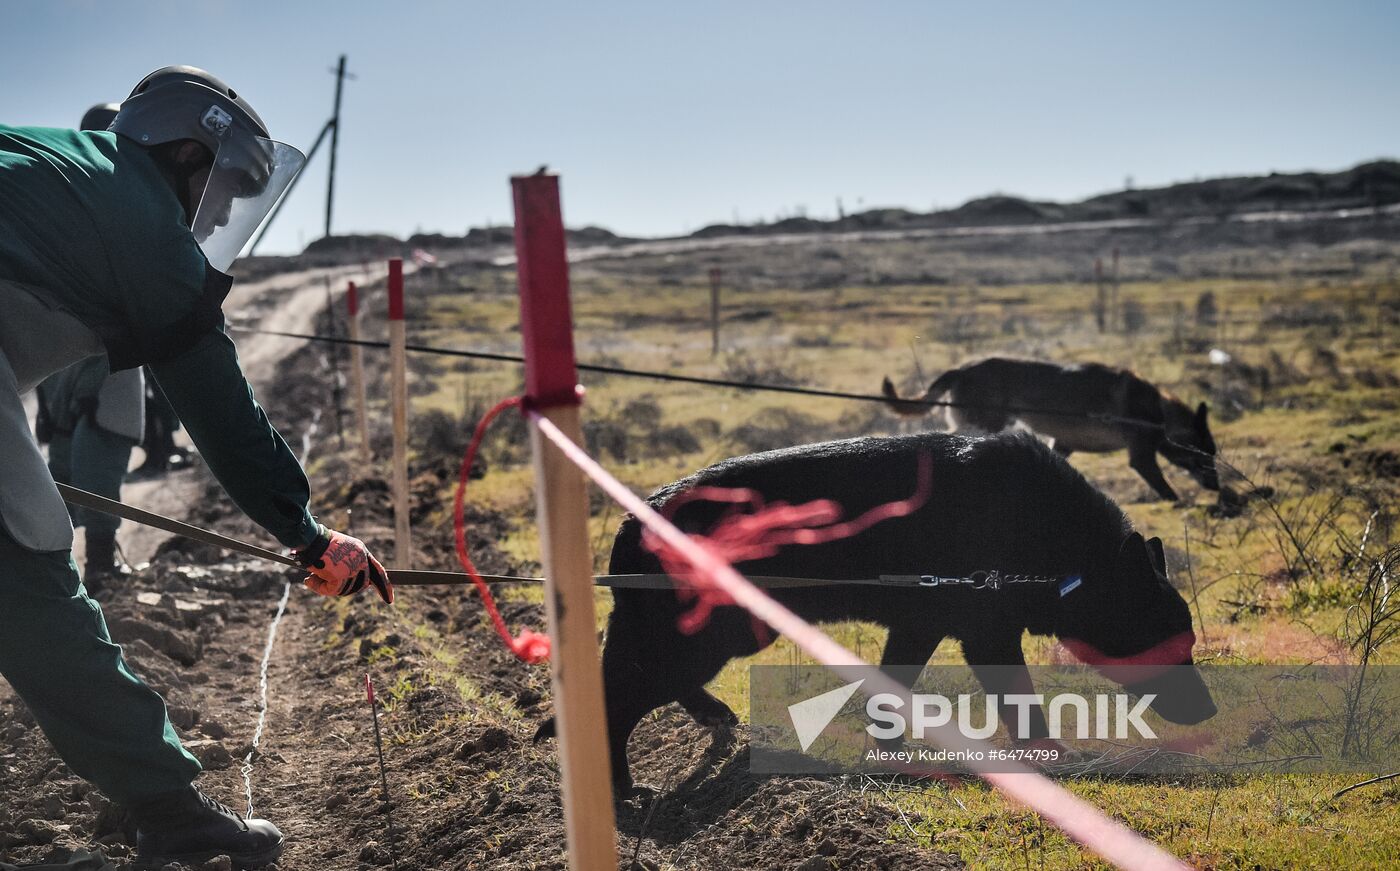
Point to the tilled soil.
(468, 787)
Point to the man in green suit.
(117, 242)
(91, 418)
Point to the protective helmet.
(99, 117)
(250, 170)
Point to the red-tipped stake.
(398, 397)
(551, 389)
(357, 369)
(383, 777)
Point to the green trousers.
(109, 727)
(94, 460)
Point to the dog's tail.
(918, 407)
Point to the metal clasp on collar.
(938, 581)
(978, 580)
(988, 580)
(982, 579)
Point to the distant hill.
(1370, 184)
(365, 244)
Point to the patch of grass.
(382, 654)
(1276, 821)
(910, 310)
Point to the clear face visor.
(249, 175)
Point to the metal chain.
(991, 579)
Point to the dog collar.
(992, 579)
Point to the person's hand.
(340, 565)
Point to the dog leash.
(979, 580)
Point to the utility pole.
(267, 225)
(340, 76)
(333, 128)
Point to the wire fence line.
(720, 382)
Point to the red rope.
(753, 530)
(529, 645)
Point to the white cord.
(247, 767)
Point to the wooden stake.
(357, 370)
(338, 383)
(398, 362)
(562, 505)
(1115, 316)
(1100, 301)
(715, 275)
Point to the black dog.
(1004, 502)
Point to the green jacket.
(88, 220)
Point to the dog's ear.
(1158, 555)
(1133, 542)
(1201, 411)
(1134, 564)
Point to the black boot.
(190, 827)
(101, 564)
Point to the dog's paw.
(720, 724)
(545, 731)
(637, 795)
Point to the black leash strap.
(74, 496)
(991, 580)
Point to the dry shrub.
(776, 367)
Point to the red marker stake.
(383, 778)
(551, 379)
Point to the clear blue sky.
(663, 117)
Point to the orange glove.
(339, 565)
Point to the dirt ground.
(467, 791)
(468, 788)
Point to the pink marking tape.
(1077, 818)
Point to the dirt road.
(288, 302)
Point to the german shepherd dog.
(1087, 407)
(1004, 502)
